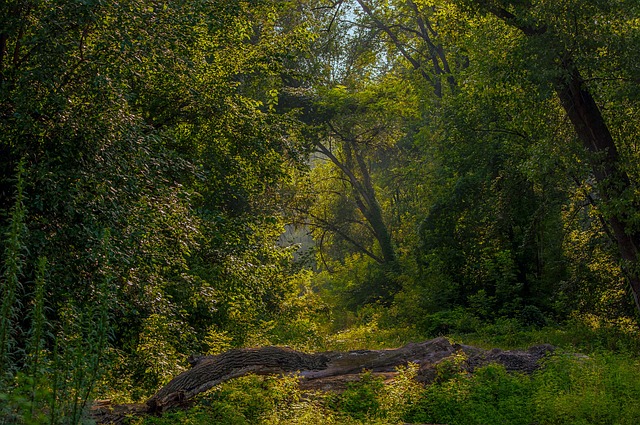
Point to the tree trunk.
(613, 182)
(614, 185)
(373, 211)
(364, 196)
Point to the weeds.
(571, 389)
(47, 377)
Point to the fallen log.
(328, 371)
(209, 371)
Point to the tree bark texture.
(209, 371)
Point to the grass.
(593, 378)
(601, 388)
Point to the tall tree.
(355, 140)
(576, 39)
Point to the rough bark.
(329, 371)
(321, 370)
(209, 371)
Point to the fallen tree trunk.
(209, 371)
(330, 371)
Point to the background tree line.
(510, 170)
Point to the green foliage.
(54, 384)
(580, 334)
(587, 389)
(148, 155)
(152, 158)
(11, 274)
(570, 388)
(247, 400)
(491, 395)
(361, 398)
(441, 323)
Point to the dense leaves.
(151, 158)
(508, 185)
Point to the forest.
(318, 179)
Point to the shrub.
(361, 398)
(457, 320)
(490, 396)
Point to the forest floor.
(587, 375)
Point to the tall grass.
(572, 390)
(593, 378)
(14, 249)
(48, 371)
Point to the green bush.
(571, 389)
(490, 396)
(440, 323)
(361, 399)
(532, 316)
(244, 401)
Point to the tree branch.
(326, 225)
(416, 65)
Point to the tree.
(545, 49)
(153, 158)
(408, 26)
(573, 38)
(483, 229)
(356, 136)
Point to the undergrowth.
(592, 378)
(571, 389)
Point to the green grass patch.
(593, 378)
(571, 389)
